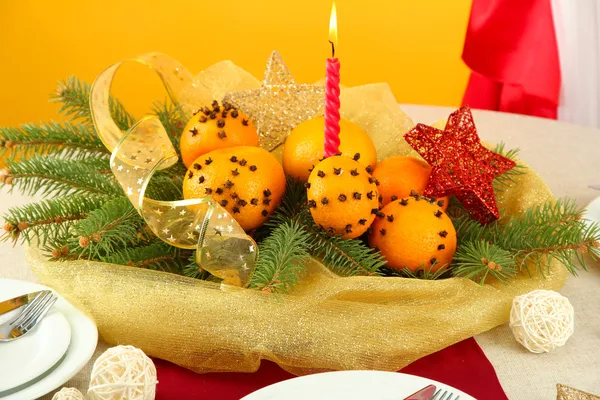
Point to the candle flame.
(333, 39)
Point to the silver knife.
(19, 301)
(596, 187)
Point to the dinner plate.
(350, 385)
(28, 357)
(84, 338)
(591, 214)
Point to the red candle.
(332, 93)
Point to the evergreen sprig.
(552, 230)
(71, 140)
(55, 176)
(479, 259)
(74, 95)
(48, 218)
(157, 255)
(283, 257)
(110, 229)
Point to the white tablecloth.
(564, 155)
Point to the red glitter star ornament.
(461, 165)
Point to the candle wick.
(332, 49)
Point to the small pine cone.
(22, 225)
(8, 180)
(84, 241)
(9, 227)
(96, 237)
(9, 144)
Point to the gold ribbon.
(223, 248)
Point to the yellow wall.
(415, 45)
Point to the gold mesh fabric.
(328, 323)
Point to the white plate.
(350, 385)
(84, 338)
(25, 359)
(592, 212)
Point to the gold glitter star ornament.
(279, 104)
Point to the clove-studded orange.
(342, 196)
(304, 146)
(414, 233)
(402, 177)
(247, 181)
(215, 127)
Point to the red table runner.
(462, 365)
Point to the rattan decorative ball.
(68, 394)
(542, 320)
(123, 372)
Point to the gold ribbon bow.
(223, 248)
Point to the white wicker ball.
(542, 320)
(68, 394)
(123, 372)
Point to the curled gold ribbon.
(223, 248)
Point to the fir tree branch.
(48, 218)
(157, 255)
(283, 257)
(74, 96)
(553, 230)
(480, 259)
(111, 228)
(57, 177)
(70, 140)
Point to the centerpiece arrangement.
(311, 225)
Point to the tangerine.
(401, 177)
(215, 128)
(247, 181)
(414, 234)
(342, 196)
(304, 147)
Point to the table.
(563, 154)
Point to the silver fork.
(28, 318)
(441, 394)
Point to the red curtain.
(511, 49)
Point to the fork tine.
(436, 394)
(444, 395)
(34, 312)
(29, 308)
(39, 314)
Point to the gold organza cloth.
(328, 322)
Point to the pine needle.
(74, 96)
(480, 259)
(545, 232)
(115, 226)
(282, 260)
(157, 256)
(74, 141)
(53, 176)
(48, 218)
